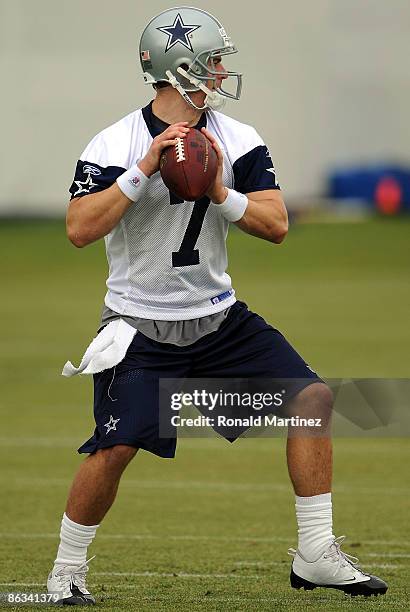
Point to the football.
(189, 168)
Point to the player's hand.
(217, 192)
(150, 163)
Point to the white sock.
(74, 541)
(314, 517)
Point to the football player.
(171, 311)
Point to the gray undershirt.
(181, 333)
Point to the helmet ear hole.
(191, 68)
(184, 82)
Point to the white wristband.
(133, 183)
(233, 208)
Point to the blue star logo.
(178, 33)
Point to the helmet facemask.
(198, 76)
(203, 68)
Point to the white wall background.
(325, 82)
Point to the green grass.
(210, 530)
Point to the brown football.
(189, 168)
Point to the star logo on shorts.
(178, 32)
(85, 186)
(111, 425)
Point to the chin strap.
(213, 99)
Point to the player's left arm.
(265, 215)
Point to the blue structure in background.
(383, 186)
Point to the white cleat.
(68, 583)
(334, 569)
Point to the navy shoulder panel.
(90, 178)
(254, 171)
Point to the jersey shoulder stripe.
(255, 171)
(91, 178)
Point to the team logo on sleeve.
(178, 32)
(91, 170)
(88, 184)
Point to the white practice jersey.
(167, 258)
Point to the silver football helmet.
(179, 47)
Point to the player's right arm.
(93, 216)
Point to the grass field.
(210, 530)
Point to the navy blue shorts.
(126, 398)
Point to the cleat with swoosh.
(334, 569)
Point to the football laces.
(180, 150)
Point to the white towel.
(105, 351)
